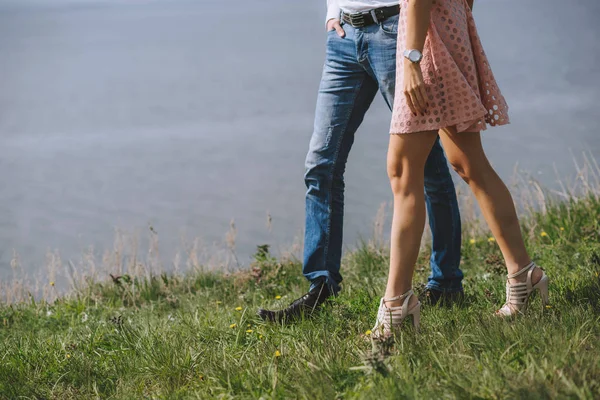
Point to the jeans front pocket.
(390, 25)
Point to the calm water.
(184, 115)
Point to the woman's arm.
(417, 23)
(418, 14)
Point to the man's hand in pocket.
(334, 24)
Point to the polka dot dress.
(461, 88)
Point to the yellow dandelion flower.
(277, 353)
(491, 240)
(260, 336)
(562, 229)
(249, 331)
(52, 283)
(548, 306)
(368, 332)
(277, 297)
(238, 309)
(543, 234)
(232, 326)
(472, 241)
(68, 356)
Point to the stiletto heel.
(416, 314)
(518, 294)
(542, 285)
(389, 318)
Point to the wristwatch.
(414, 55)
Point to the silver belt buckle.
(357, 20)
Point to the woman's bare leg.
(406, 159)
(465, 154)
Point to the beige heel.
(542, 286)
(389, 318)
(518, 294)
(416, 315)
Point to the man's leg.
(345, 94)
(444, 221)
(440, 194)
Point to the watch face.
(414, 56)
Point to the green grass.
(182, 337)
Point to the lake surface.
(183, 115)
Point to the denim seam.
(453, 224)
(331, 173)
(457, 267)
(376, 77)
(441, 160)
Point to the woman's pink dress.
(460, 84)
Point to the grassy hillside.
(196, 335)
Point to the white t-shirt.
(355, 6)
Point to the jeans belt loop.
(374, 15)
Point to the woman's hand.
(417, 24)
(414, 88)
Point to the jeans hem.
(316, 279)
(443, 289)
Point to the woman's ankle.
(536, 275)
(396, 298)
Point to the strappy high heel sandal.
(391, 317)
(517, 294)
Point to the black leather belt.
(360, 20)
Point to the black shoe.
(305, 305)
(437, 297)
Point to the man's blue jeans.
(355, 68)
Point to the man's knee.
(438, 182)
(317, 171)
